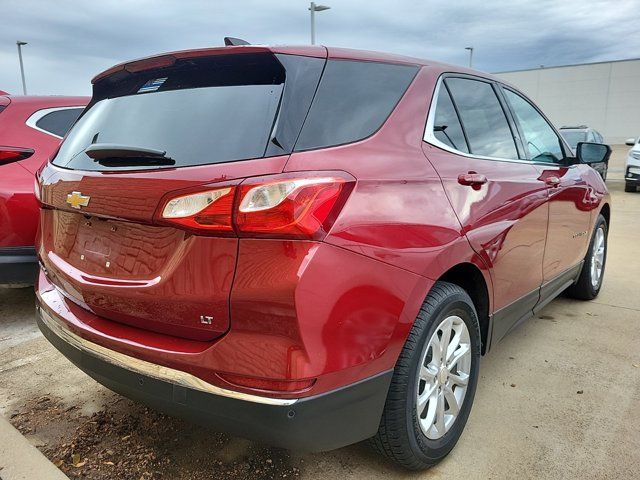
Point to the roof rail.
(234, 42)
(574, 126)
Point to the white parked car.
(632, 169)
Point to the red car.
(30, 131)
(310, 246)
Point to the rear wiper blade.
(99, 151)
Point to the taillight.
(208, 211)
(14, 154)
(276, 206)
(291, 206)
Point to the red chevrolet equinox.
(310, 246)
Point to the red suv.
(310, 246)
(30, 131)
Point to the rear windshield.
(200, 111)
(235, 107)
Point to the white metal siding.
(604, 96)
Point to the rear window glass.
(59, 122)
(200, 111)
(482, 117)
(354, 99)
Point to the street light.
(24, 84)
(313, 9)
(470, 56)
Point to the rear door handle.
(552, 181)
(472, 179)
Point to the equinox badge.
(77, 200)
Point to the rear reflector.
(265, 384)
(275, 206)
(14, 154)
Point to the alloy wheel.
(597, 257)
(443, 377)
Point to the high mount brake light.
(275, 206)
(14, 154)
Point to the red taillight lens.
(14, 154)
(291, 206)
(276, 206)
(208, 211)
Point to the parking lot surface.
(558, 398)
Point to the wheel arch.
(605, 211)
(470, 278)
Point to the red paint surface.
(18, 206)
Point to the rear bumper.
(318, 423)
(18, 265)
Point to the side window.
(353, 100)
(483, 118)
(446, 125)
(59, 122)
(541, 140)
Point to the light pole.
(470, 56)
(24, 84)
(313, 8)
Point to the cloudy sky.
(72, 40)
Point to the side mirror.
(630, 141)
(587, 152)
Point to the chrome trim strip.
(143, 367)
(35, 117)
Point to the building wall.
(604, 96)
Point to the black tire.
(399, 436)
(584, 289)
(629, 187)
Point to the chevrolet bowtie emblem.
(77, 200)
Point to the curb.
(19, 460)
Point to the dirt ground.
(558, 398)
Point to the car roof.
(47, 101)
(304, 50)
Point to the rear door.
(212, 121)
(569, 195)
(497, 196)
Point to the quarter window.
(59, 122)
(541, 140)
(483, 118)
(353, 100)
(446, 126)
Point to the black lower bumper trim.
(18, 265)
(323, 422)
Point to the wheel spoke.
(425, 396)
(461, 379)
(463, 349)
(428, 374)
(445, 327)
(454, 408)
(439, 423)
